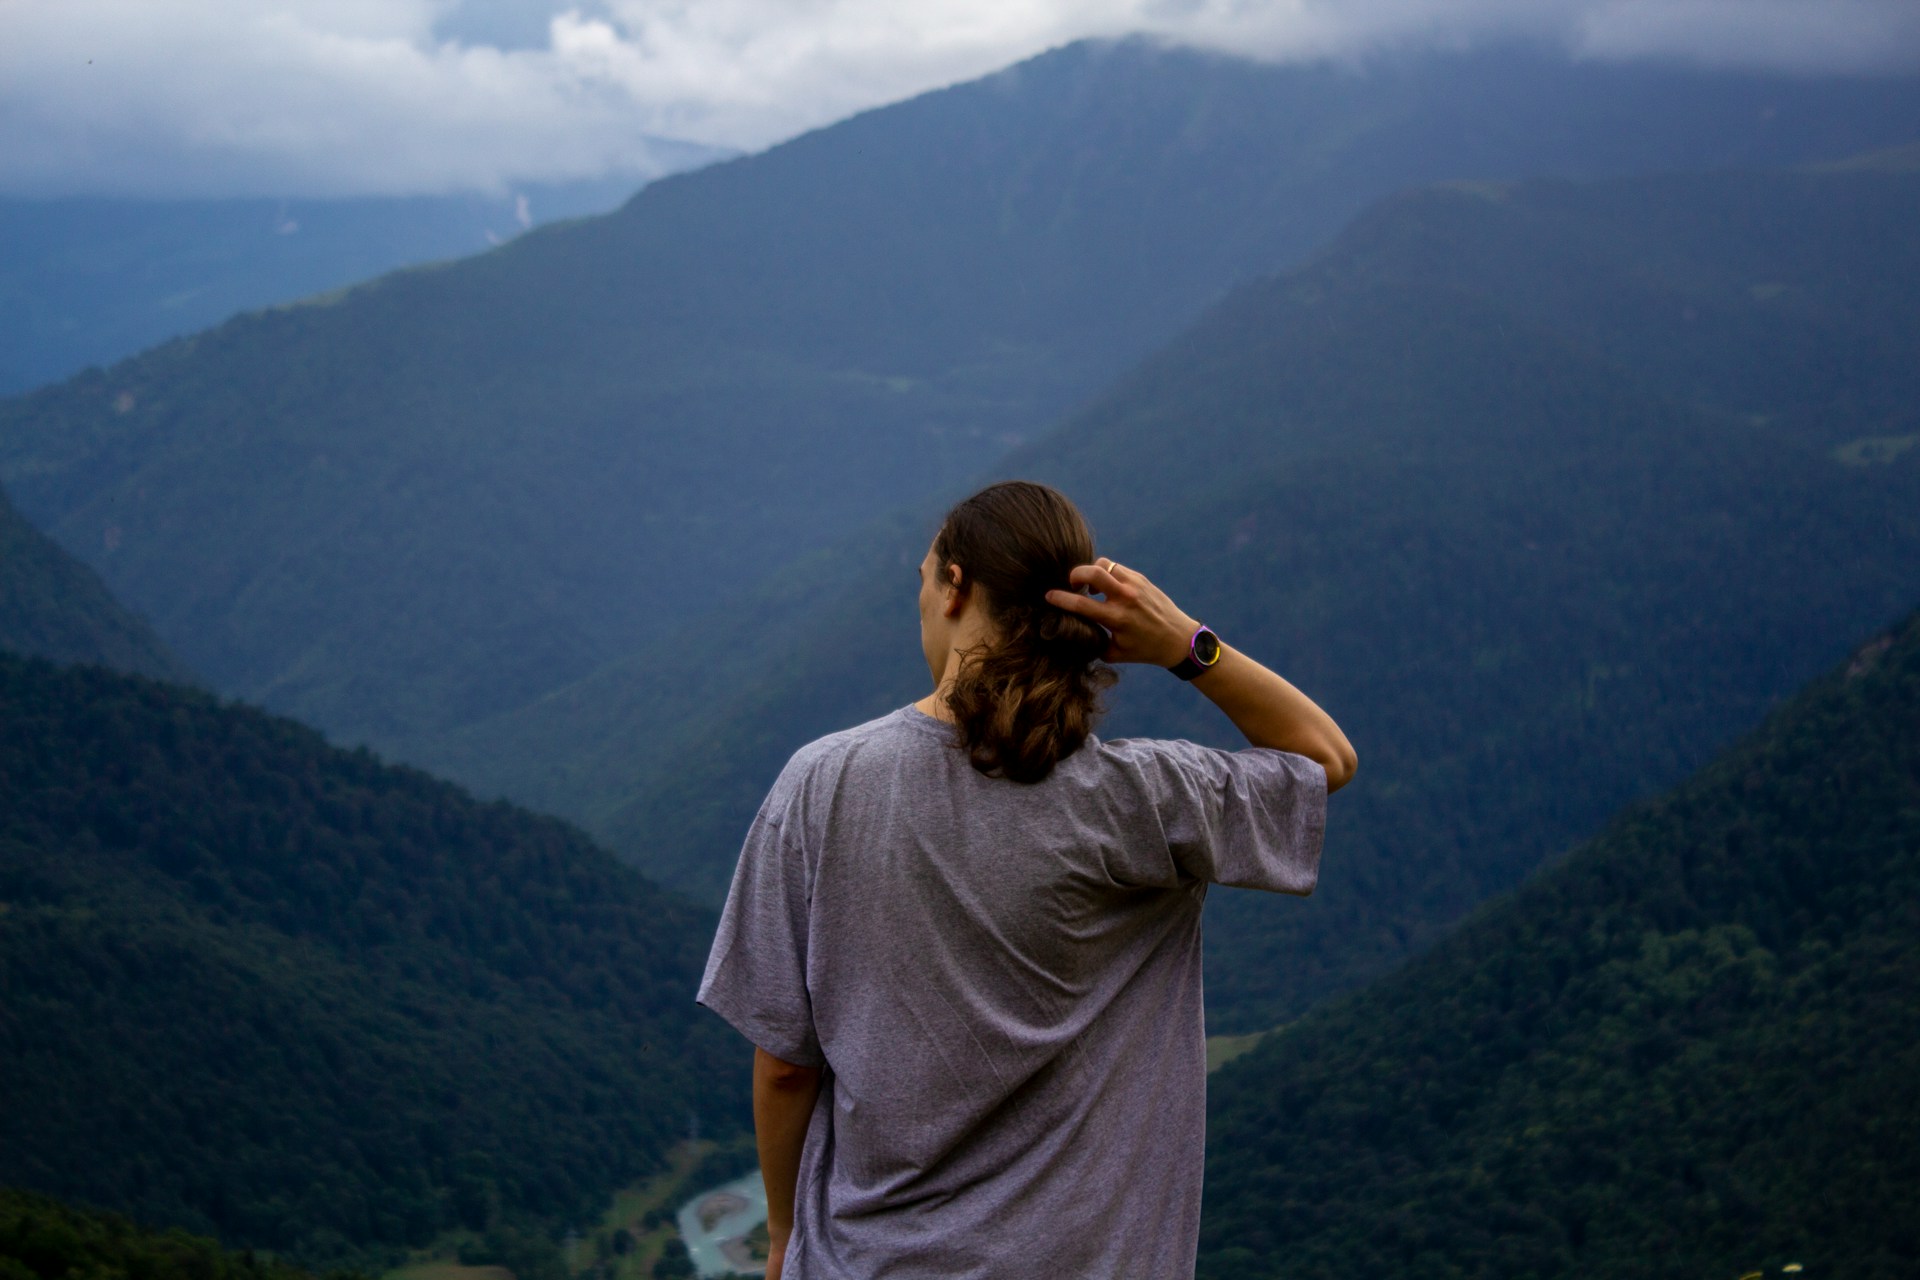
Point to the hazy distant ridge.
(441, 496)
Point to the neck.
(935, 703)
(972, 638)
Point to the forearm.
(1272, 713)
(1146, 626)
(783, 1098)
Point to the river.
(733, 1208)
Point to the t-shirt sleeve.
(756, 974)
(1249, 819)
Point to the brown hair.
(1030, 701)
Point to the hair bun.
(1070, 639)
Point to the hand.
(776, 1260)
(1145, 625)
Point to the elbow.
(786, 1077)
(1341, 764)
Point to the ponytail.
(1033, 698)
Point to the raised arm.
(1147, 627)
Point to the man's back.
(1004, 979)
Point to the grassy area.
(1224, 1049)
(644, 1212)
(446, 1269)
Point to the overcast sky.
(345, 97)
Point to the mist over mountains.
(94, 280)
(446, 493)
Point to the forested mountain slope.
(1691, 1049)
(42, 1239)
(1546, 491)
(283, 993)
(437, 497)
(53, 606)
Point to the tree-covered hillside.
(266, 989)
(42, 1239)
(1545, 491)
(439, 496)
(53, 606)
(1691, 1049)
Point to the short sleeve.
(1248, 819)
(756, 974)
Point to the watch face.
(1206, 648)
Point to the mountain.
(1545, 490)
(93, 280)
(42, 1239)
(266, 989)
(53, 606)
(440, 496)
(1691, 1048)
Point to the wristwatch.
(1203, 650)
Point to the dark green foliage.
(529, 1255)
(42, 1239)
(265, 988)
(1544, 491)
(1690, 1049)
(439, 496)
(673, 1262)
(53, 606)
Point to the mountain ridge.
(52, 606)
(452, 491)
(1686, 1047)
(283, 993)
(1491, 543)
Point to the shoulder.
(822, 762)
(836, 748)
(1149, 756)
(1175, 764)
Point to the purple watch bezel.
(1190, 666)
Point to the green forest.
(1691, 1048)
(291, 996)
(54, 607)
(42, 1239)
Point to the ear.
(956, 593)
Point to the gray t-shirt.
(1003, 981)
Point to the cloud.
(334, 97)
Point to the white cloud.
(310, 97)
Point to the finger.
(1095, 577)
(1086, 606)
